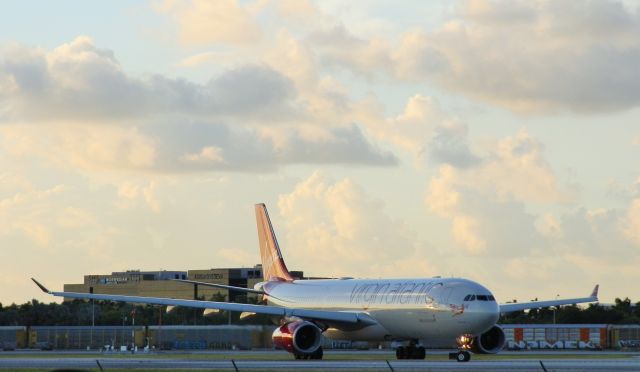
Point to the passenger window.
(482, 298)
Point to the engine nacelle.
(490, 342)
(299, 337)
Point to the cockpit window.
(467, 297)
(473, 298)
(482, 298)
(491, 298)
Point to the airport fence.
(230, 337)
(226, 337)
(13, 337)
(82, 337)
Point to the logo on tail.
(273, 266)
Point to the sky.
(492, 140)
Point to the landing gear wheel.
(410, 352)
(317, 354)
(463, 356)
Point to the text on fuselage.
(393, 293)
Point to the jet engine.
(490, 342)
(300, 337)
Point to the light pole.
(93, 322)
(133, 331)
(554, 315)
(124, 319)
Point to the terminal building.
(161, 283)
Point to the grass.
(327, 356)
(344, 356)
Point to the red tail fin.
(273, 266)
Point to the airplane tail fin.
(273, 266)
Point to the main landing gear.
(461, 356)
(315, 355)
(410, 352)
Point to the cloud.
(336, 46)
(206, 22)
(449, 145)
(579, 56)
(487, 203)
(184, 146)
(423, 130)
(481, 221)
(632, 223)
(80, 81)
(208, 155)
(96, 116)
(345, 232)
(28, 213)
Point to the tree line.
(621, 312)
(82, 313)
(107, 313)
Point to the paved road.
(631, 364)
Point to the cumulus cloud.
(171, 147)
(486, 203)
(81, 81)
(345, 232)
(26, 213)
(579, 55)
(482, 222)
(423, 130)
(208, 155)
(204, 22)
(248, 117)
(632, 223)
(526, 56)
(450, 145)
(336, 46)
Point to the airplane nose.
(486, 317)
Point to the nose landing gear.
(461, 356)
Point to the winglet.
(595, 291)
(43, 288)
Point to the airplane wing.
(222, 286)
(329, 317)
(508, 308)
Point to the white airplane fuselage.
(420, 309)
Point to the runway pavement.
(46, 361)
(355, 365)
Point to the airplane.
(410, 312)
